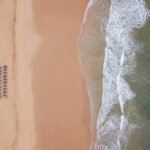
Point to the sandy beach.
(16, 47)
(44, 103)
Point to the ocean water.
(118, 30)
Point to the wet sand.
(61, 102)
(91, 46)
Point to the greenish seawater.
(147, 3)
(138, 110)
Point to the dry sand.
(47, 105)
(17, 131)
(62, 109)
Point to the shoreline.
(91, 45)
